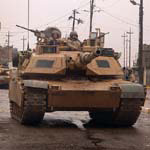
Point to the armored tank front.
(57, 77)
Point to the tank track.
(33, 108)
(126, 115)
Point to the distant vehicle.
(4, 76)
(8, 59)
(57, 77)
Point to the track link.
(33, 107)
(126, 115)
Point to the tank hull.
(81, 95)
(121, 102)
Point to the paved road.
(65, 131)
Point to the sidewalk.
(146, 107)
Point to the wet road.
(66, 131)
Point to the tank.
(4, 76)
(57, 78)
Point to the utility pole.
(127, 42)
(92, 11)
(28, 46)
(8, 39)
(75, 19)
(124, 46)
(8, 46)
(23, 39)
(91, 14)
(0, 27)
(140, 61)
(140, 53)
(130, 38)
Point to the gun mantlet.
(82, 60)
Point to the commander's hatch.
(96, 39)
(93, 38)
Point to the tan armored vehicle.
(4, 76)
(58, 78)
(5, 58)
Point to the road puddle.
(67, 119)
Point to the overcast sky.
(116, 17)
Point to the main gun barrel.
(86, 58)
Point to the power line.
(119, 19)
(55, 20)
(111, 5)
(83, 5)
(122, 20)
(63, 16)
(12, 32)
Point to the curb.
(146, 110)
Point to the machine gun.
(103, 35)
(39, 34)
(43, 36)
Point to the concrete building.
(6, 54)
(146, 63)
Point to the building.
(8, 55)
(5, 54)
(146, 64)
